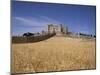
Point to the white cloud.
(50, 20)
(40, 21)
(26, 21)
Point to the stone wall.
(58, 29)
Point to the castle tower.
(58, 29)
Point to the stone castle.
(58, 29)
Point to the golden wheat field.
(54, 54)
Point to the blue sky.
(34, 17)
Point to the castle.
(58, 29)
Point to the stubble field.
(54, 54)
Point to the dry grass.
(54, 54)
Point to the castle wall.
(58, 29)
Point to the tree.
(28, 34)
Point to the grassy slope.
(54, 54)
